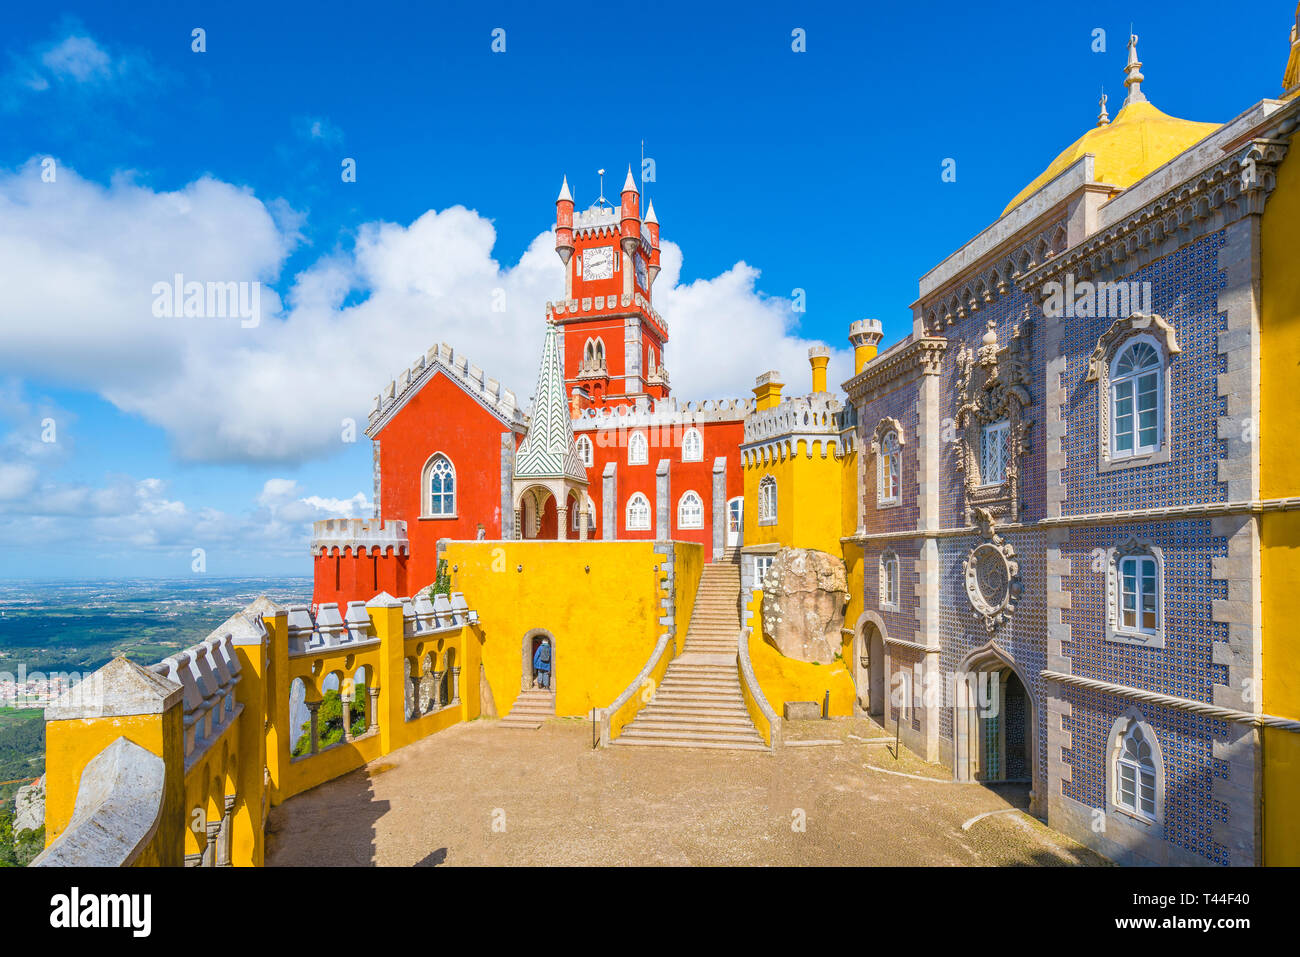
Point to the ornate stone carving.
(992, 575)
(1121, 330)
(992, 387)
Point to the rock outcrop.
(804, 595)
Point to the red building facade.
(445, 435)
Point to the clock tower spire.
(611, 338)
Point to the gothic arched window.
(889, 580)
(690, 511)
(1136, 400)
(889, 470)
(439, 487)
(586, 451)
(1137, 769)
(692, 446)
(638, 513)
(767, 500)
(638, 451)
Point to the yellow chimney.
(818, 357)
(767, 390)
(865, 335)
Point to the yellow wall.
(604, 621)
(1280, 531)
(809, 500)
(71, 745)
(688, 562)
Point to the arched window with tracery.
(439, 487)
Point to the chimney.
(865, 335)
(767, 390)
(818, 357)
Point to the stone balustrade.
(207, 673)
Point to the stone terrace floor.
(561, 803)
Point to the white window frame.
(638, 501)
(586, 451)
(689, 455)
(638, 449)
(1146, 777)
(1138, 556)
(426, 487)
(889, 581)
(1131, 379)
(762, 564)
(682, 520)
(767, 510)
(889, 470)
(1003, 429)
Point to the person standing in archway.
(542, 664)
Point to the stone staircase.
(699, 704)
(531, 708)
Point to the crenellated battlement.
(648, 413)
(499, 400)
(590, 306)
(806, 415)
(207, 673)
(359, 536)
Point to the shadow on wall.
(342, 816)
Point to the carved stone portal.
(993, 388)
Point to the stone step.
(712, 732)
(695, 721)
(626, 742)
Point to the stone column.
(719, 506)
(609, 504)
(519, 523)
(455, 685)
(210, 851)
(346, 701)
(373, 694)
(223, 843)
(663, 502)
(435, 693)
(313, 707)
(561, 522)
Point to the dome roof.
(1140, 139)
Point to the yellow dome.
(1140, 139)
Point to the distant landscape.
(78, 626)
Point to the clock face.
(598, 263)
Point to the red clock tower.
(612, 338)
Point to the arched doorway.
(735, 522)
(532, 641)
(994, 723)
(869, 664)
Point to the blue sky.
(775, 171)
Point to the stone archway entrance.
(869, 668)
(531, 642)
(994, 722)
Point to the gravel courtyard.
(480, 794)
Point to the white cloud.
(82, 260)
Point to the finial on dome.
(1133, 73)
(1103, 118)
